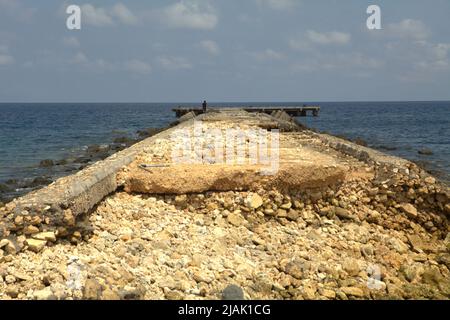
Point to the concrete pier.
(296, 111)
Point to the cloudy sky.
(224, 50)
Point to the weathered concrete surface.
(363, 153)
(297, 167)
(305, 161)
(181, 179)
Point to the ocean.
(30, 133)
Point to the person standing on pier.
(205, 105)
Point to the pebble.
(330, 294)
(236, 219)
(409, 209)
(367, 250)
(35, 245)
(233, 292)
(9, 279)
(44, 294)
(254, 201)
(47, 236)
(353, 291)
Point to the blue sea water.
(30, 133)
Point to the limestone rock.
(293, 215)
(236, 219)
(47, 236)
(92, 290)
(44, 294)
(409, 209)
(444, 259)
(419, 244)
(203, 276)
(398, 245)
(12, 291)
(353, 291)
(35, 245)
(411, 272)
(10, 246)
(270, 212)
(109, 295)
(294, 269)
(367, 250)
(351, 267)
(430, 180)
(433, 277)
(343, 213)
(254, 201)
(173, 295)
(330, 294)
(30, 230)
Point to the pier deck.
(296, 111)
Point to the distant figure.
(204, 106)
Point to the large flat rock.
(181, 179)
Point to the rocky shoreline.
(53, 169)
(372, 227)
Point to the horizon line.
(211, 102)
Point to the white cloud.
(211, 47)
(328, 38)
(432, 57)
(101, 64)
(92, 65)
(174, 63)
(420, 59)
(98, 17)
(124, 14)
(103, 17)
(71, 42)
(349, 62)
(441, 51)
(191, 14)
(138, 67)
(410, 51)
(267, 55)
(408, 29)
(311, 39)
(89, 64)
(279, 4)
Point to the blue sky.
(224, 50)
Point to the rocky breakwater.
(379, 231)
